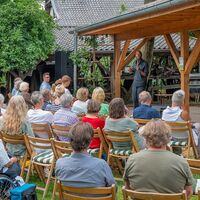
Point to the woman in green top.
(14, 122)
(119, 122)
(98, 95)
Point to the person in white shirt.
(80, 105)
(37, 115)
(2, 98)
(66, 80)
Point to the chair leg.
(23, 165)
(48, 181)
(29, 171)
(121, 171)
(54, 189)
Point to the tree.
(26, 35)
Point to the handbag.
(24, 192)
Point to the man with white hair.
(176, 112)
(145, 111)
(64, 116)
(37, 115)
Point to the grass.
(120, 183)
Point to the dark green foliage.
(26, 35)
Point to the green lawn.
(49, 195)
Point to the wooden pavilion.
(162, 17)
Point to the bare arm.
(11, 162)
(185, 115)
(189, 191)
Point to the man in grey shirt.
(81, 169)
(141, 70)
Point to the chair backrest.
(60, 130)
(142, 122)
(60, 148)
(37, 144)
(153, 196)
(42, 130)
(98, 133)
(12, 139)
(119, 137)
(194, 165)
(103, 193)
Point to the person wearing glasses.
(45, 84)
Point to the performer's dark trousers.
(136, 89)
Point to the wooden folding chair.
(117, 138)
(42, 130)
(62, 131)
(14, 140)
(41, 155)
(103, 146)
(142, 122)
(183, 127)
(101, 193)
(153, 196)
(60, 149)
(195, 169)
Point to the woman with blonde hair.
(98, 95)
(80, 105)
(24, 91)
(14, 122)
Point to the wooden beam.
(136, 32)
(185, 82)
(123, 55)
(128, 58)
(117, 78)
(193, 58)
(185, 78)
(172, 48)
(184, 47)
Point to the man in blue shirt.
(81, 169)
(45, 84)
(145, 111)
(141, 70)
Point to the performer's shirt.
(140, 80)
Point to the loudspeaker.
(63, 65)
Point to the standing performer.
(140, 69)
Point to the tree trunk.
(147, 49)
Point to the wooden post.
(185, 81)
(185, 77)
(117, 78)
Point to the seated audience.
(2, 110)
(8, 165)
(93, 119)
(47, 98)
(15, 89)
(99, 96)
(165, 172)
(145, 111)
(64, 116)
(80, 105)
(119, 122)
(24, 91)
(66, 80)
(14, 122)
(59, 91)
(81, 169)
(37, 115)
